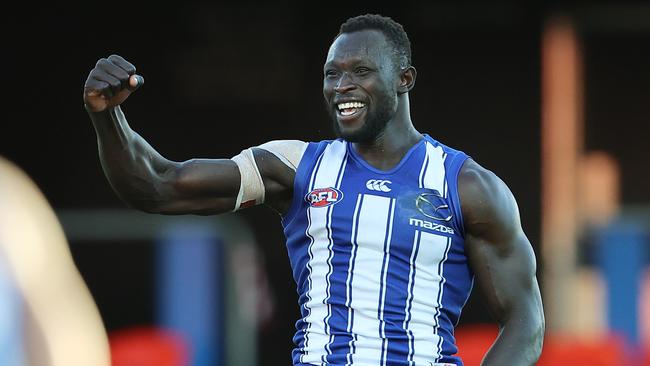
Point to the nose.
(344, 84)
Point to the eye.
(361, 70)
(331, 73)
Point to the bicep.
(499, 252)
(199, 186)
(212, 186)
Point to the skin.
(359, 67)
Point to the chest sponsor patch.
(323, 197)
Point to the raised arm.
(504, 265)
(146, 180)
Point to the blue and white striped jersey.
(378, 257)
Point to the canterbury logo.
(378, 185)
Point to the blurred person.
(386, 227)
(60, 324)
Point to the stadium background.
(222, 77)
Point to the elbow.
(139, 202)
(148, 207)
(150, 193)
(141, 197)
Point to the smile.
(350, 108)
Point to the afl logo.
(323, 197)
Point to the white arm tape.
(288, 151)
(251, 187)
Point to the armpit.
(251, 189)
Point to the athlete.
(387, 228)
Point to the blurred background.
(552, 96)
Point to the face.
(360, 85)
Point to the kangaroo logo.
(433, 206)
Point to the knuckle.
(115, 58)
(97, 72)
(122, 74)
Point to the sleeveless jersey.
(378, 256)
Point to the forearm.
(519, 341)
(135, 170)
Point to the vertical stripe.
(440, 293)
(305, 341)
(434, 173)
(384, 273)
(329, 265)
(348, 295)
(328, 174)
(444, 178)
(371, 235)
(434, 178)
(409, 297)
(425, 164)
(426, 285)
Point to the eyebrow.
(352, 61)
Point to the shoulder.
(283, 144)
(487, 203)
(476, 181)
(289, 152)
(447, 149)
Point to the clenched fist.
(109, 84)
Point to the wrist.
(103, 112)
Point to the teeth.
(351, 105)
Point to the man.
(386, 227)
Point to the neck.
(388, 149)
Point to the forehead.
(369, 45)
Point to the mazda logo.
(433, 206)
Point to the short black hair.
(394, 32)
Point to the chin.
(365, 130)
(351, 137)
(360, 135)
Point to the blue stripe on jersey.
(455, 268)
(442, 286)
(383, 284)
(329, 262)
(327, 174)
(311, 255)
(367, 265)
(307, 326)
(409, 301)
(348, 336)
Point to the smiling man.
(387, 228)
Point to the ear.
(406, 80)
